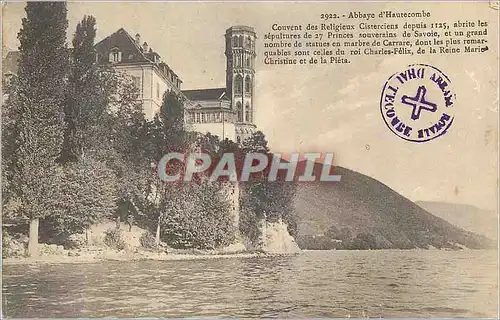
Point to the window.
(137, 82)
(235, 41)
(238, 139)
(240, 41)
(115, 55)
(247, 113)
(238, 84)
(218, 116)
(198, 118)
(240, 112)
(248, 85)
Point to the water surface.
(386, 283)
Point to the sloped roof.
(131, 52)
(206, 94)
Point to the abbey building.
(227, 112)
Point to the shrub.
(87, 196)
(147, 240)
(113, 239)
(6, 251)
(202, 221)
(13, 245)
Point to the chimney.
(138, 39)
(145, 47)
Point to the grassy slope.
(364, 204)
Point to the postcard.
(250, 159)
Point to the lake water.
(313, 284)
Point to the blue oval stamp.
(417, 103)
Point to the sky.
(332, 108)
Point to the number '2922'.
(328, 16)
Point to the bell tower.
(240, 77)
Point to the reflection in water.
(313, 284)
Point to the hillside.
(480, 221)
(367, 214)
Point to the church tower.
(240, 78)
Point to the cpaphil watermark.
(305, 167)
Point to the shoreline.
(111, 255)
(136, 256)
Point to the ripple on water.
(313, 284)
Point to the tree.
(118, 138)
(264, 199)
(333, 233)
(86, 100)
(198, 216)
(256, 143)
(87, 196)
(364, 241)
(172, 112)
(345, 234)
(194, 214)
(168, 135)
(36, 134)
(140, 144)
(172, 118)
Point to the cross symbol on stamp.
(419, 103)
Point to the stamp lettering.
(416, 97)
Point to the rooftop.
(240, 28)
(206, 94)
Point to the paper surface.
(405, 95)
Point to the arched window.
(248, 84)
(235, 41)
(247, 113)
(238, 84)
(240, 41)
(240, 112)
